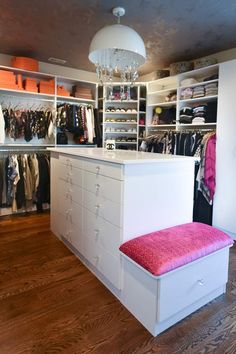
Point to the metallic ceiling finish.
(172, 30)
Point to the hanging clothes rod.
(30, 98)
(24, 149)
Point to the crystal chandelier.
(117, 50)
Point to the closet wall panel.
(225, 197)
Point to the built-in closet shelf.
(201, 72)
(28, 94)
(159, 126)
(162, 92)
(135, 123)
(121, 101)
(40, 146)
(200, 99)
(202, 83)
(182, 125)
(74, 145)
(35, 74)
(120, 133)
(121, 113)
(133, 110)
(126, 142)
(74, 99)
(163, 104)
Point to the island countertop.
(120, 156)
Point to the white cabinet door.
(225, 196)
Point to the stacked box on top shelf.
(47, 86)
(8, 80)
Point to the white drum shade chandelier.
(117, 49)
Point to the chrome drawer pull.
(97, 185)
(98, 169)
(200, 282)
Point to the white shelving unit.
(159, 92)
(19, 99)
(22, 99)
(121, 118)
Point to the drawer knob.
(200, 282)
(96, 258)
(98, 169)
(97, 185)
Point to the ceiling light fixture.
(117, 49)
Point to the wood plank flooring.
(50, 303)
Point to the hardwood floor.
(50, 303)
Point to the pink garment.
(162, 251)
(210, 166)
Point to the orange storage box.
(25, 63)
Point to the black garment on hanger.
(43, 190)
(20, 187)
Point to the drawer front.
(104, 168)
(105, 262)
(67, 194)
(71, 162)
(75, 216)
(72, 175)
(103, 186)
(101, 233)
(103, 207)
(75, 236)
(189, 284)
(58, 223)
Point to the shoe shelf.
(121, 116)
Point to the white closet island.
(100, 199)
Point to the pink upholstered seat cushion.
(162, 251)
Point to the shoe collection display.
(118, 120)
(126, 140)
(123, 130)
(121, 110)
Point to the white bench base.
(159, 302)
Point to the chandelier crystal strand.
(117, 50)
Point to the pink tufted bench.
(170, 273)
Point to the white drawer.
(101, 233)
(104, 168)
(190, 283)
(75, 215)
(105, 262)
(103, 186)
(103, 207)
(72, 175)
(58, 223)
(67, 194)
(74, 235)
(70, 161)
